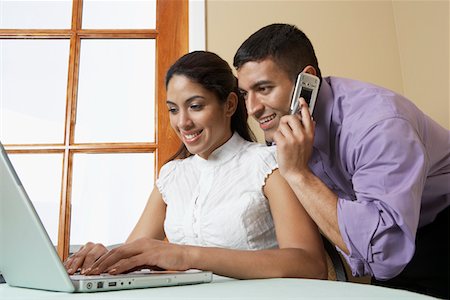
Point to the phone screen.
(306, 87)
(306, 94)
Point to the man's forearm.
(320, 203)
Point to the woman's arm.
(301, 252)
(150, 225)
(295, 229)
(151, 222)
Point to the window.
(83, 114)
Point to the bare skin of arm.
(294, 141)
(300, 254)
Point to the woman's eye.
(172, 110)
(196, 106)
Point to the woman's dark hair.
(287, 45)
(215, 75)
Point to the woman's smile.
(191, 137)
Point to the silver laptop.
(29, 259)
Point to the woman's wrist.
(192, 257)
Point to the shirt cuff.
(357, 233)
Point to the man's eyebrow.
(188, 100)
(256, 85)
(259, 83)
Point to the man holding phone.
(371, 169)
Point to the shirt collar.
(322, 116)
(223, 153)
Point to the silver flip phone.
(307, 87)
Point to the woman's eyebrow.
(188, 100)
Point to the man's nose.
(254, 104)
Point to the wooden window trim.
(171, 35)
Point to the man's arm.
(320, 203)
(377, 231)
(294, 140)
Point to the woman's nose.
(184, 120)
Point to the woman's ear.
(231, 104)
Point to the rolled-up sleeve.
(389, 173)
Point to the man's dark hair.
(285, 44)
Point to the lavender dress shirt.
(389, 165)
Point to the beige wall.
(423, 39)
(402, 45)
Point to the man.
(371, 169)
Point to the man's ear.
(231, 104)
(310, 70)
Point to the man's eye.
(264, 89)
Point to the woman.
(221, 202)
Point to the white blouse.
(219, 202)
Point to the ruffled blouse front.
(219, 202)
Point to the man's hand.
(294, 140)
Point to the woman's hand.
(142, 253)
(84, 258)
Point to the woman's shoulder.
(170, 174)
(174, 165)
(258, 155)
(259, 151)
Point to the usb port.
(112, 283)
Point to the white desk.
(225, 288)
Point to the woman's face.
(201, 122)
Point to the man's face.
(267, 90)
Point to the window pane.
(116, 93)
(109, 193)
(44, 193)
(33, 87)
(18, 14)
(119, 14)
